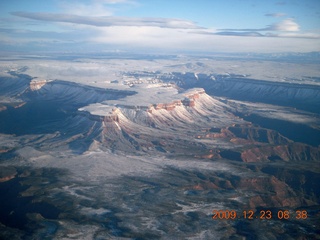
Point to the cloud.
(87, 29)
(244, 34)
(273, 35)
(68, 36)
(164, 39)
(152, 39)
(287, 25)
(294, 35)
(92, 7)
(109, 21)
(258, 34)
(275, 15)
(287, 28)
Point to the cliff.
(37, 84)
(293, 152)
(189, 100)
(131, 128)
(245, 134)
(281, 187)
(303, 96)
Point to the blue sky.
(160, 25)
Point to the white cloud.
(109, 20)
(145, 36)
(275, 15)
(287, 28)
(173, 40)
(93, 7)
(287, 25)
(294, 35)
(92, 24)
(80, 8)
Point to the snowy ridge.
(37, 84)
(73, 93)
(130, 128)
(195, 107)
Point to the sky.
(165, 26)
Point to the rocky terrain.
(152, 157)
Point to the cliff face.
(139, 129)
(238, 87)
(246, 133)
(293, 152)
(282, 195)
(15, 85)
(59, 91)
(132, 129)
(189, 101)
(205, 155)
(304, 181)
(279, 188)
(258, 134)
(109, 117)
(260, 145)
(37, 84)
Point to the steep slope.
(303, 96)
(140, 171)
(164, 127)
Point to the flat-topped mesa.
(188, 102)
(195, 93)
(190, 98)
(110, 115)
(116, 112)
(167, 106)
(37, 84)
(113, 116)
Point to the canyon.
(156, 153)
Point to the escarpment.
(37, 84)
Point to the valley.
(155, 152)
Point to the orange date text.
(262, 214)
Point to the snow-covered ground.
(134, 166)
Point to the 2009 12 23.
(262, 214)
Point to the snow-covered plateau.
(148, 148)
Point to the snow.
(99, 166)
(278, 112)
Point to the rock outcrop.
(293, 152)
(189, 101)
(281, 194)
(276, 189)
(36, 84)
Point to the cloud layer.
(110, 20)
(275, 14)
(287, 25)
(287, 28)
(93, 24)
